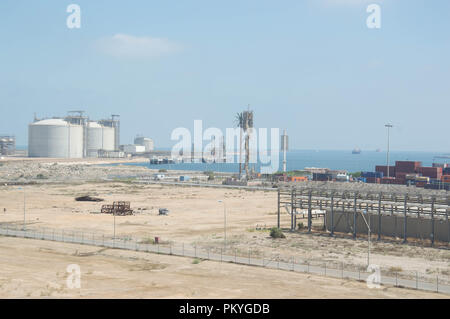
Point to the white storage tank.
(99, 137)
(55, 138)
(145, 141)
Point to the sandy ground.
(38, 269)
(197, 217)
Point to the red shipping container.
(387, 180)
(383, 169)
(420, 184)
(373, 180)
(407, 166)
(401, 175)
(431, 172)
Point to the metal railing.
(414, 280)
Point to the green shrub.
(300, 225)
(356, 174)
(162, 170)
(276, 233)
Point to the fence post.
(171, 248)
(417, 280)
(293, 263)
(437, 283)
(249, 254)
(307, 267)
(235, 253)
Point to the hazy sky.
(312, 67)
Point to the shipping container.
(407, 166)
(432, 172)
(383, 169)
(373, 180)
(445, 178)
(297, 178)
(372, 174)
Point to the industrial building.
(7, 145)
(73, 136)
(145, 141)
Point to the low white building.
(134, 149)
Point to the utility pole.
(389, 126)
(24, 206)
(224, 223)
(368, 234)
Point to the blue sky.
(312, 67)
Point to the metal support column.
(380, 196)
(354, 215)
(332, 214)
(433, 199)
(405, 221)
(292, 210)
(278, 219)
(309, 212)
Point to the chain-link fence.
(414, 280)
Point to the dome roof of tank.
(56, 122)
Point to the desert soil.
(38, 269)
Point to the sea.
(332, 159)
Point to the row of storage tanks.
(59, 138)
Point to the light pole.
(389, 126)
(224, 223)
(24, 206)
(368, 235)
(114, 234)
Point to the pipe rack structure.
(426, 214)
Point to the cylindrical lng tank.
(145, 141)
(55, 138)
(109, 138)
(99, 137)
